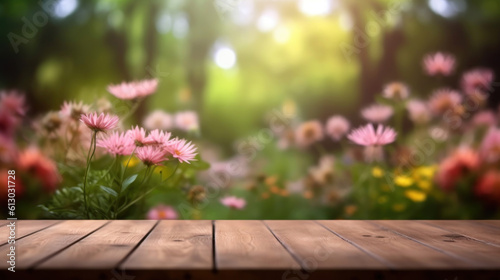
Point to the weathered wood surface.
(254, 249)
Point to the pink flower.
(439, 64)
(367, 136)
(308, 133)
(444, 100)
(453, 168)
(8, 149)
(133, 90)
(151, 155)
(489, 150)
(479, 79)
(137, 135)
(396, 90)
(233, 202)
(377, 113)
(13, 103)
(74, 110)
(484, 118)
(418, 111)
(158, 120)
(34, 162)
(337, 127)
(117, 144)
(158, 137)
(182, 150)
(187, 121)
(101, 122)
(162, 212)
(8, 123)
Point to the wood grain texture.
(25, 227)
(174, 245)
(491, 223)
(249, 245)
(317, 248)
(399, 252)
(477, 231)
(474, 252)
(43, 244)
(104, 248)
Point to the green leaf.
(128, 181)
(109, 190)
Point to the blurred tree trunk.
(374, 74)
(151, 49)
(203, 25)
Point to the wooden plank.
(174, 245)
(478, 253)
(478, 231)
(317, 248)
(105, 248)
(249, 245)
(491, 223)
(44, 244)
(400, 252)
(24, 228)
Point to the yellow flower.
(416, 196)
(133, 162)
(403, 181)
(350, 210)
(424, 172)
(377, 172)
(399, 207)
(382, 199)
(424, 185)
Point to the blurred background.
(234, 61)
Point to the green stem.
(132, 110)
(89, 160)
(147, 192)
(128, 162)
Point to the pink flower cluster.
(133, 90)
(151, 149)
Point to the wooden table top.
(249, 249)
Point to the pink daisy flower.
(117, 144)
(13, 103)
(418, 111)
(337, 127)
(479, 79)
(444, 100)
(151, 155)
(133, 90)
(187, 121)
(101, 122)
(308, 133)
(137, 135)
(159, 120)
(233, 202)
(162, 212)
(368, 136)
(182, 150)
(158, 137)
(377, 113)
(396, 90)
(439, 64)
